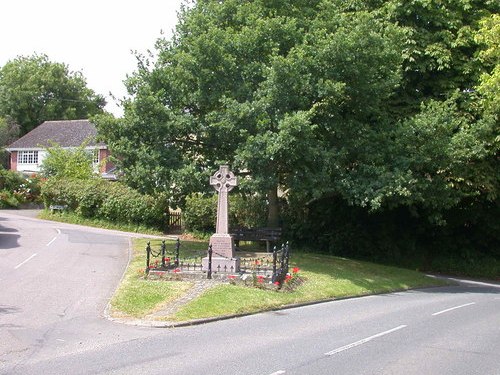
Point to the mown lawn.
(324, 277)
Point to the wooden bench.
(256, 234)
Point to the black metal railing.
(276, 265)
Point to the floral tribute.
(289, 283)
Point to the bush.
(8, 200)
(469, 243)
(10, 180)
(200, 212)
(107, 200)
(16, 189)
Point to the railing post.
(287, 257)
(209, 273)
(177, 250)
(148, 254)
(163, 249)
(275, 260)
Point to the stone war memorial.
(223, 257)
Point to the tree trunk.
(273, 215)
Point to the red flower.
(167, 259)
(177, 270)
(276, 283)
(232, 277)
(260, 277)
(260, 280)
(295, 269)
(288, 277)
(257, 262)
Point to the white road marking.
(52, 240)
(20, 264)
(360, 342)
(278, 372)
(453, 308)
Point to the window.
(27, 157)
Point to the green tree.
(489, 86)
(67, 163)
(9, 132)
(34, 89)
(374, 102)
(276, 89)
(440, 49)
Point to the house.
(28, 152)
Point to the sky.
(95, 37)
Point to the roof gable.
(65, 133)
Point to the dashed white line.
(278, 372)
(453, 308)
(27, 260)
(363, 341)
(52, 240)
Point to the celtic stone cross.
(223, 181)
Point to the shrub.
(10, 180)
(108, 200)
(67, 163)
(200, 212)
(8, 200)
(17, 189)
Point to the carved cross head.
(223, 179)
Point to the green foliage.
(200, 212)
(15, 189)
(385, 105)
(489, 86)
(9, 132)
(108, 200)
(469, 244)
(216, 94)
(10, 180)
(34, 89)
(67, 163)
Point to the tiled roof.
(65, 133)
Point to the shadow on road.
(8, 240)
(9, 309)
(466, 287)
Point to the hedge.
(107, 200)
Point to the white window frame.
(96, 156)
(27, 157)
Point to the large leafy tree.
(371, 101)
(285, 91)
(34, 89)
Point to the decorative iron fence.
(276, 265)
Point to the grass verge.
(137, 297)
(326, 277)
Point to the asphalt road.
(51, 322)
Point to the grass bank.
(325, 277)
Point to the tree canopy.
(34, 89)
(381, 103)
